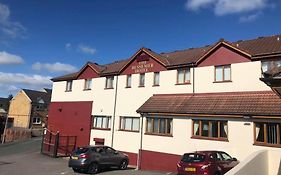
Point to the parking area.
(25, 158)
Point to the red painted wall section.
(223, 56)
(133, 157)
(72, 119)
(158, 161)
(88, 72)
(143, 63)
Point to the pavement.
(24, 158)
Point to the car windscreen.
(193, 158)
(81, 150)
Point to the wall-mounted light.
(59, 109)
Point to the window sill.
(155, 85)
(267, 144)
(141, 86)
(227, 81)
(128, 130)
(87, 89)
(210, 138)
(159, 134)
(104, 129)
(108, 88)
(187, 83)
(68, 91)
(128, 87)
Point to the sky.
(40, 40)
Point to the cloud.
(55, 67)
(68, 46)
(9, 29)
(86, 49)
(249, 18)
(7, 58)
(12, 82)
(224, 7)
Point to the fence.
(56, 145)
(16, 134)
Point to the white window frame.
(186, 75)
(37, 122)
(109, 81)
(156, 79)
(105, 122)
(223, 73)
(88, 84)
(69, 84)
(134, 123)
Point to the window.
(183, 76)
(102, 122)
(269, 65)
(212, 129)
(36, 120)
(268, 134)
(222, 73)
(130, 123)
(88, 84)
(159, 126)
(109, 82)
(142, 80)
(156, 79)
(129, 81)
(68, 86)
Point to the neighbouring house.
(29, 108)
(157, 106)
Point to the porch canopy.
(240, 104)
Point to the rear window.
(81, 150)
(193, 158)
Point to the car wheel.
(93, 168)
(123, 165)
(76, 170)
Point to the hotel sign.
(142, 67)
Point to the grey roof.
(35, 96)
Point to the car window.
(193, 158)
(100, 150)
(225, 156)
(81, 150)
(215, 156)
(109, 150)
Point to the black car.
(91, 158)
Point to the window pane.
(187, 75)
(196, 127)
(272, 133)
(156, 78)
(214, 129)
(259, 132)
(149, 125)
(205, 128)
(156, 125)
(264, 66)
(128, 123)
(129, 77)
(142, 79)
(226, 72)
(162, 126)
(169, 126)
(218, 73)
(180, 76)
(136, 123)
(225, 156)
(223, 129)
(98, 122)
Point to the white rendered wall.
(244, 77)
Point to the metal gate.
(56, 145)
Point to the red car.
(206, 163)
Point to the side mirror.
(234, 159)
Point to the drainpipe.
(114, 111)
(141, 139)
(193, 79)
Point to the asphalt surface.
(24, 158)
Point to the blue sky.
(43, 39)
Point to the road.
(24, 158)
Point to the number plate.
(74, 157)
(190, 169)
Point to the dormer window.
(222, 73)
(109, 82)
(68, 86)
(88, 84)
